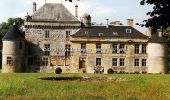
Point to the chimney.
(34, 7)
(159, 33)
(117, 23)
(149, 31)
(130, 22)
(107, 25)
(76, 10)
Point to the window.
(114, 48)
(144, 48)
(136, 62)
(20, 45)
(122, 61)
(122, 48)
(67, 49)
(67, 34)
(47, 34)
(9, 60)
(83, 47)
(143, 62)
(47, 49)
(114, 62)
(136, 48)
(128, 31)
(98, 61)
(45, 61)
(98, 48)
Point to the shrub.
(110, 71)
(58, 70)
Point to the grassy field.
(139, 87)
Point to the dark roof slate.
(111, 31)
(13, 33)
(156, 39)
(53, 12)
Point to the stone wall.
(107, 55)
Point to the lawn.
(139, 87)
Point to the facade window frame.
(143, 48)
(122, 61)
(143, 62)
(137, 48)
(47, 49)
(47, 34)
(67, 34)
(114, 61)
(114, 48)
(98, 48)
(45, 61)
(98, 61)
(122, 48)
(9, 60)
(67, 50)
(83, 47)
(136, 62)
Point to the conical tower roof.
(13, 34)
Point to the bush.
(58, 70)
(110, 71)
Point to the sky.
(100, 10)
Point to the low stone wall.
(130, 69)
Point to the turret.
(158, 54)
(86, 20)
(13, 52)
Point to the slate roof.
(156, 39)
(53, 12)
(111, 31)
(13, 33)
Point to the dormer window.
(100, 34)
(115, 33)
(128, 31)
(86, 32)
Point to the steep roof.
(53, 12)
(156, 39)
(13, 34)
(111, 31)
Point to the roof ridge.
(55, 12)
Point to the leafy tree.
(71, 0)
(160, 16)
(4, 26)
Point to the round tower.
(86, 20)
(13, 51)
(158, 54)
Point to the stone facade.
(107, 55)
(55, 38)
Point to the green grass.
(29, 87)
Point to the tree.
(4, 26)
(160, 16)
(71, 0)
